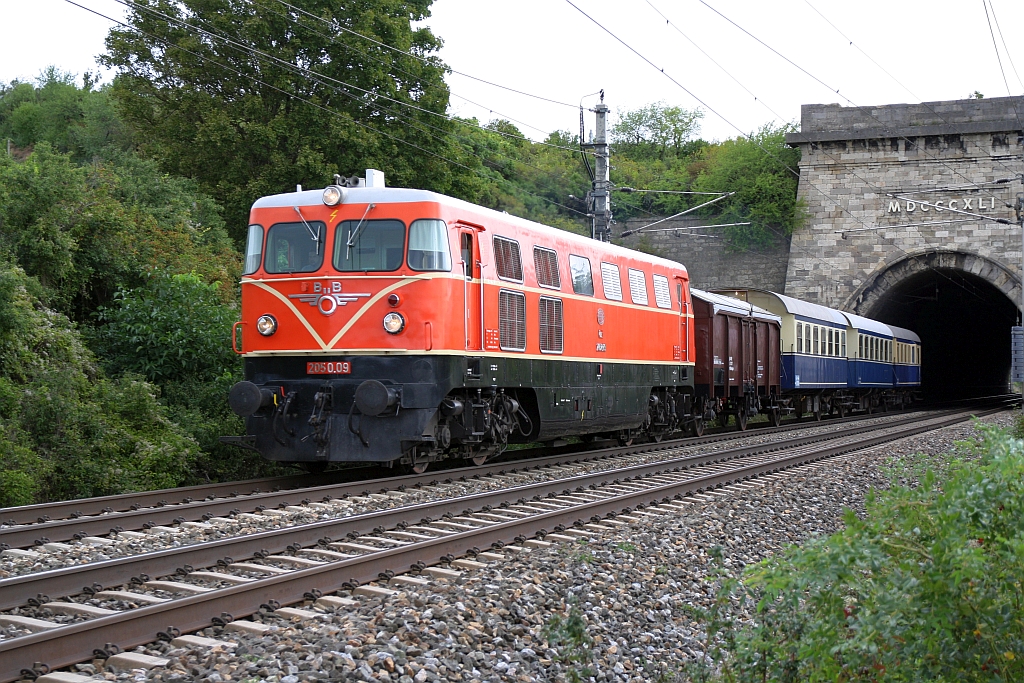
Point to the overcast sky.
(936, 49)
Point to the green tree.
(655, 131)
(761, 170)
(78, 121)
(250, 97)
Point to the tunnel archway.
(962, 306)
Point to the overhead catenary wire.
(1006, 49)
(395, 138)
(734, 126)
(253, 51)
(864, 109)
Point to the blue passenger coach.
(906, 357)
(870, 364)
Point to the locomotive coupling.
(246, 398)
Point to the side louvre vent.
(612, 283)
(512, 320)
(550, 325)
(637, 287)
(507, 259)
(661, 292)
(546, 263)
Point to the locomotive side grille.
(612, 283)
(507, 259)
(512, 320)
(546, 263)
(661, 292)
(550, 325)
(637, 287)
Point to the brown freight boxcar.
(738, 359)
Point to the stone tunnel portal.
(964, 323)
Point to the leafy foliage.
(67, 431)
(174, 327)
(81, 122)
(84, 231)
(926, 588)
(303, 100)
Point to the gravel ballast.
(636, 587)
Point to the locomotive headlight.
(333, 195)
(267, 325)
(394, 323)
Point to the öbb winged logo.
(328, 297)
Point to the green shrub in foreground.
(926, 588)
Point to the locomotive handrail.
(234, 338)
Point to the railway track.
(25, 526)
(303, 562)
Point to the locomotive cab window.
(253, 250)
(582, 277)
(362, 246)
(295, 247)
(467, 255)
(428, 245)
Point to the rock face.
(879, 184)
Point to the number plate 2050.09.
(328, 368)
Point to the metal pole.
(602, 181)
(1019, 208)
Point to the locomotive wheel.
(478, 460)
(741, 420)
(697, 428)
(774, 417)
(420, 466)
(656, 438)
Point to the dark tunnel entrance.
(964, 323)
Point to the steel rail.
(71, 580)
(66, 645)
(67, 529)
(40, 513)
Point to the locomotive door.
(472, 289)
(681, 349)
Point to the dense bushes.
(66, 430)
(928, 587)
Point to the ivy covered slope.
(928, 587)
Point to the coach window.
(295, 247)
(611, 281)
(253, 250)
(428, 245)
(799, 337)
(831, 346)
(815, 340)
(843, 354)
(362, 246)
(582, 277)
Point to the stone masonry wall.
(709, 262)
(878, 183)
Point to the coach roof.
(727, 303)
(868, 325)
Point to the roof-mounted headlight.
(334, 195)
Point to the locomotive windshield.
(428, 245)
(253, 250)
(292, 249)
(377, 245)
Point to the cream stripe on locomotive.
(474, 353)
(406, 279)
